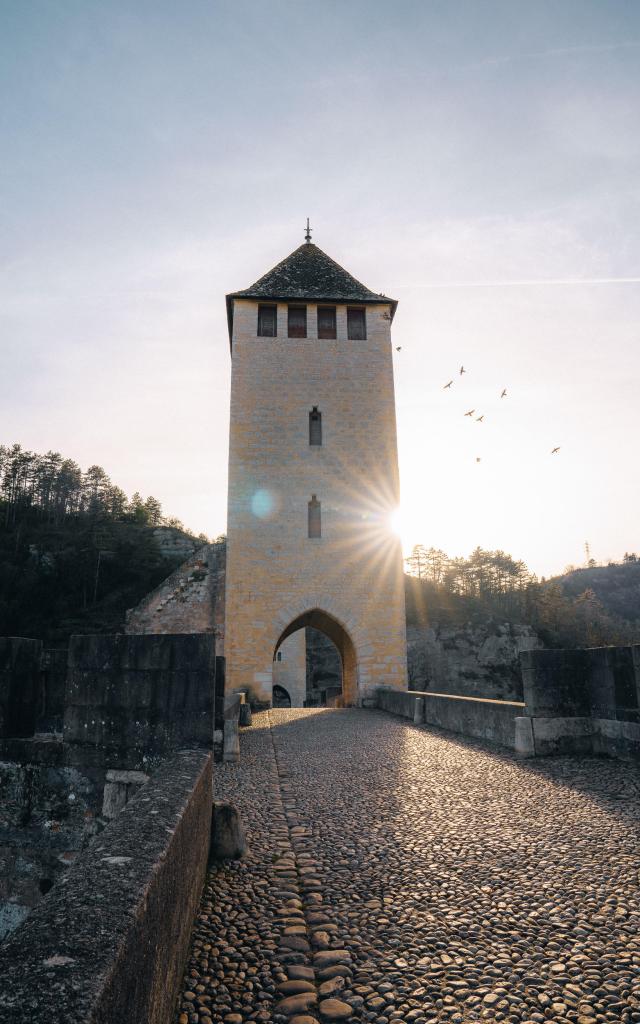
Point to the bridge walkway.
(399, 874)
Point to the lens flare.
(262, 504)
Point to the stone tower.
(313, 476)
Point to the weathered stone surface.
(48, 814)
(291, 988)
(335, 1009)
(297, 1004)
(330, 957)
(190, 600)
(231, 741)
(20, 685)
(129, 698)
(119, 788)
(227, 834)
(108, 941)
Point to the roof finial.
(307, 237)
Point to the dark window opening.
(356, 324)
(315, 426)
(279, 656)
(267, 321)
(297, 321)
(327, 322)
(315, 524)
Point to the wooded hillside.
(75, 552)
(582, 608)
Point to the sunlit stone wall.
(274, 571)
(291, 671)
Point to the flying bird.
(462, 370)
(470, 413)
(447, 385)
(554, 450)
(504, 394)
(478, 460)
(479, 419)
(398, 348)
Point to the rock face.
(47, 815)
(472, 660)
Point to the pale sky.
(479, 161)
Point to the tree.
(153, 509)
(417, 562)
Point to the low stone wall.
(109, 941)
(544, 737)
(491, 720)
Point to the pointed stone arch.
(338, 633)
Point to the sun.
(397, 522)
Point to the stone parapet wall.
(545, 737)
(490, 720)
(110, 940)
(602, 682)
(20, 685)
(132, 699)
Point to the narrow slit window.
(315, 522)
(327, 322)
(267, 322)
(356, 324)
(315, 426)
(297, 321)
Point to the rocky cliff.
(475, 660)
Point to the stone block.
(524, 745)
(231, 741)
(227, 834)
(119, 788)
(562, 735)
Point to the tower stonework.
(313, 476)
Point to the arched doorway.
(335, 631)
(281, 698)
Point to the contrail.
(566, 51)
(522, 282)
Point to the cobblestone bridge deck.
(399, 874)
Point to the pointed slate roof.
(308, 274)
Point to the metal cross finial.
(307, 237)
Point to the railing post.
(418, 711)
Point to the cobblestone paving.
(400, 874)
